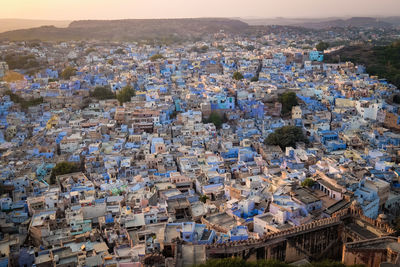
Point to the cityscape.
(199, 139)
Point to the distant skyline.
(147, 9)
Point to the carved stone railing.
(282, 234)
(337, 218)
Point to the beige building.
(3, 69)
(296, 112)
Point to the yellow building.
(52, 122)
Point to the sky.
(139, 9)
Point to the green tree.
(102, 93)
(156, 57)
(396, 78)
(396, 98)
(254, 79)
(90, 50)
(228, 262)
(250, 47)
(237, 76)
(204, 48)
(174, 114)
(238, 262)
(201, 49)
(33, 43)
(308, 182)
(216, 119)
(125, 94)
(321, 46)
(17, 61)
(120, 51)
(269, 263)
(288, 100)
(329, 263)
(12, 76)
(25, 103)
(203, 198)
(397, 225)
(68, 72)
(380, 60)
(63, 168)
(286, 136)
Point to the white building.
(3, 69)
(368, 110)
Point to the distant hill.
(17, 24)
(392, 20)
(129, 30)
(343, 23)
(285, 21)
(323, 23)
(383, 61)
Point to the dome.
(382, 217)
(355, 204)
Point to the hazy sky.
(117, 9)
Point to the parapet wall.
(337, 218)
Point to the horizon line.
(219, 17)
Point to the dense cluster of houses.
(155, 170)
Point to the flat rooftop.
(305, 196)
(222, 219)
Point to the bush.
(286, 136)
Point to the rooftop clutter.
(89, 180)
